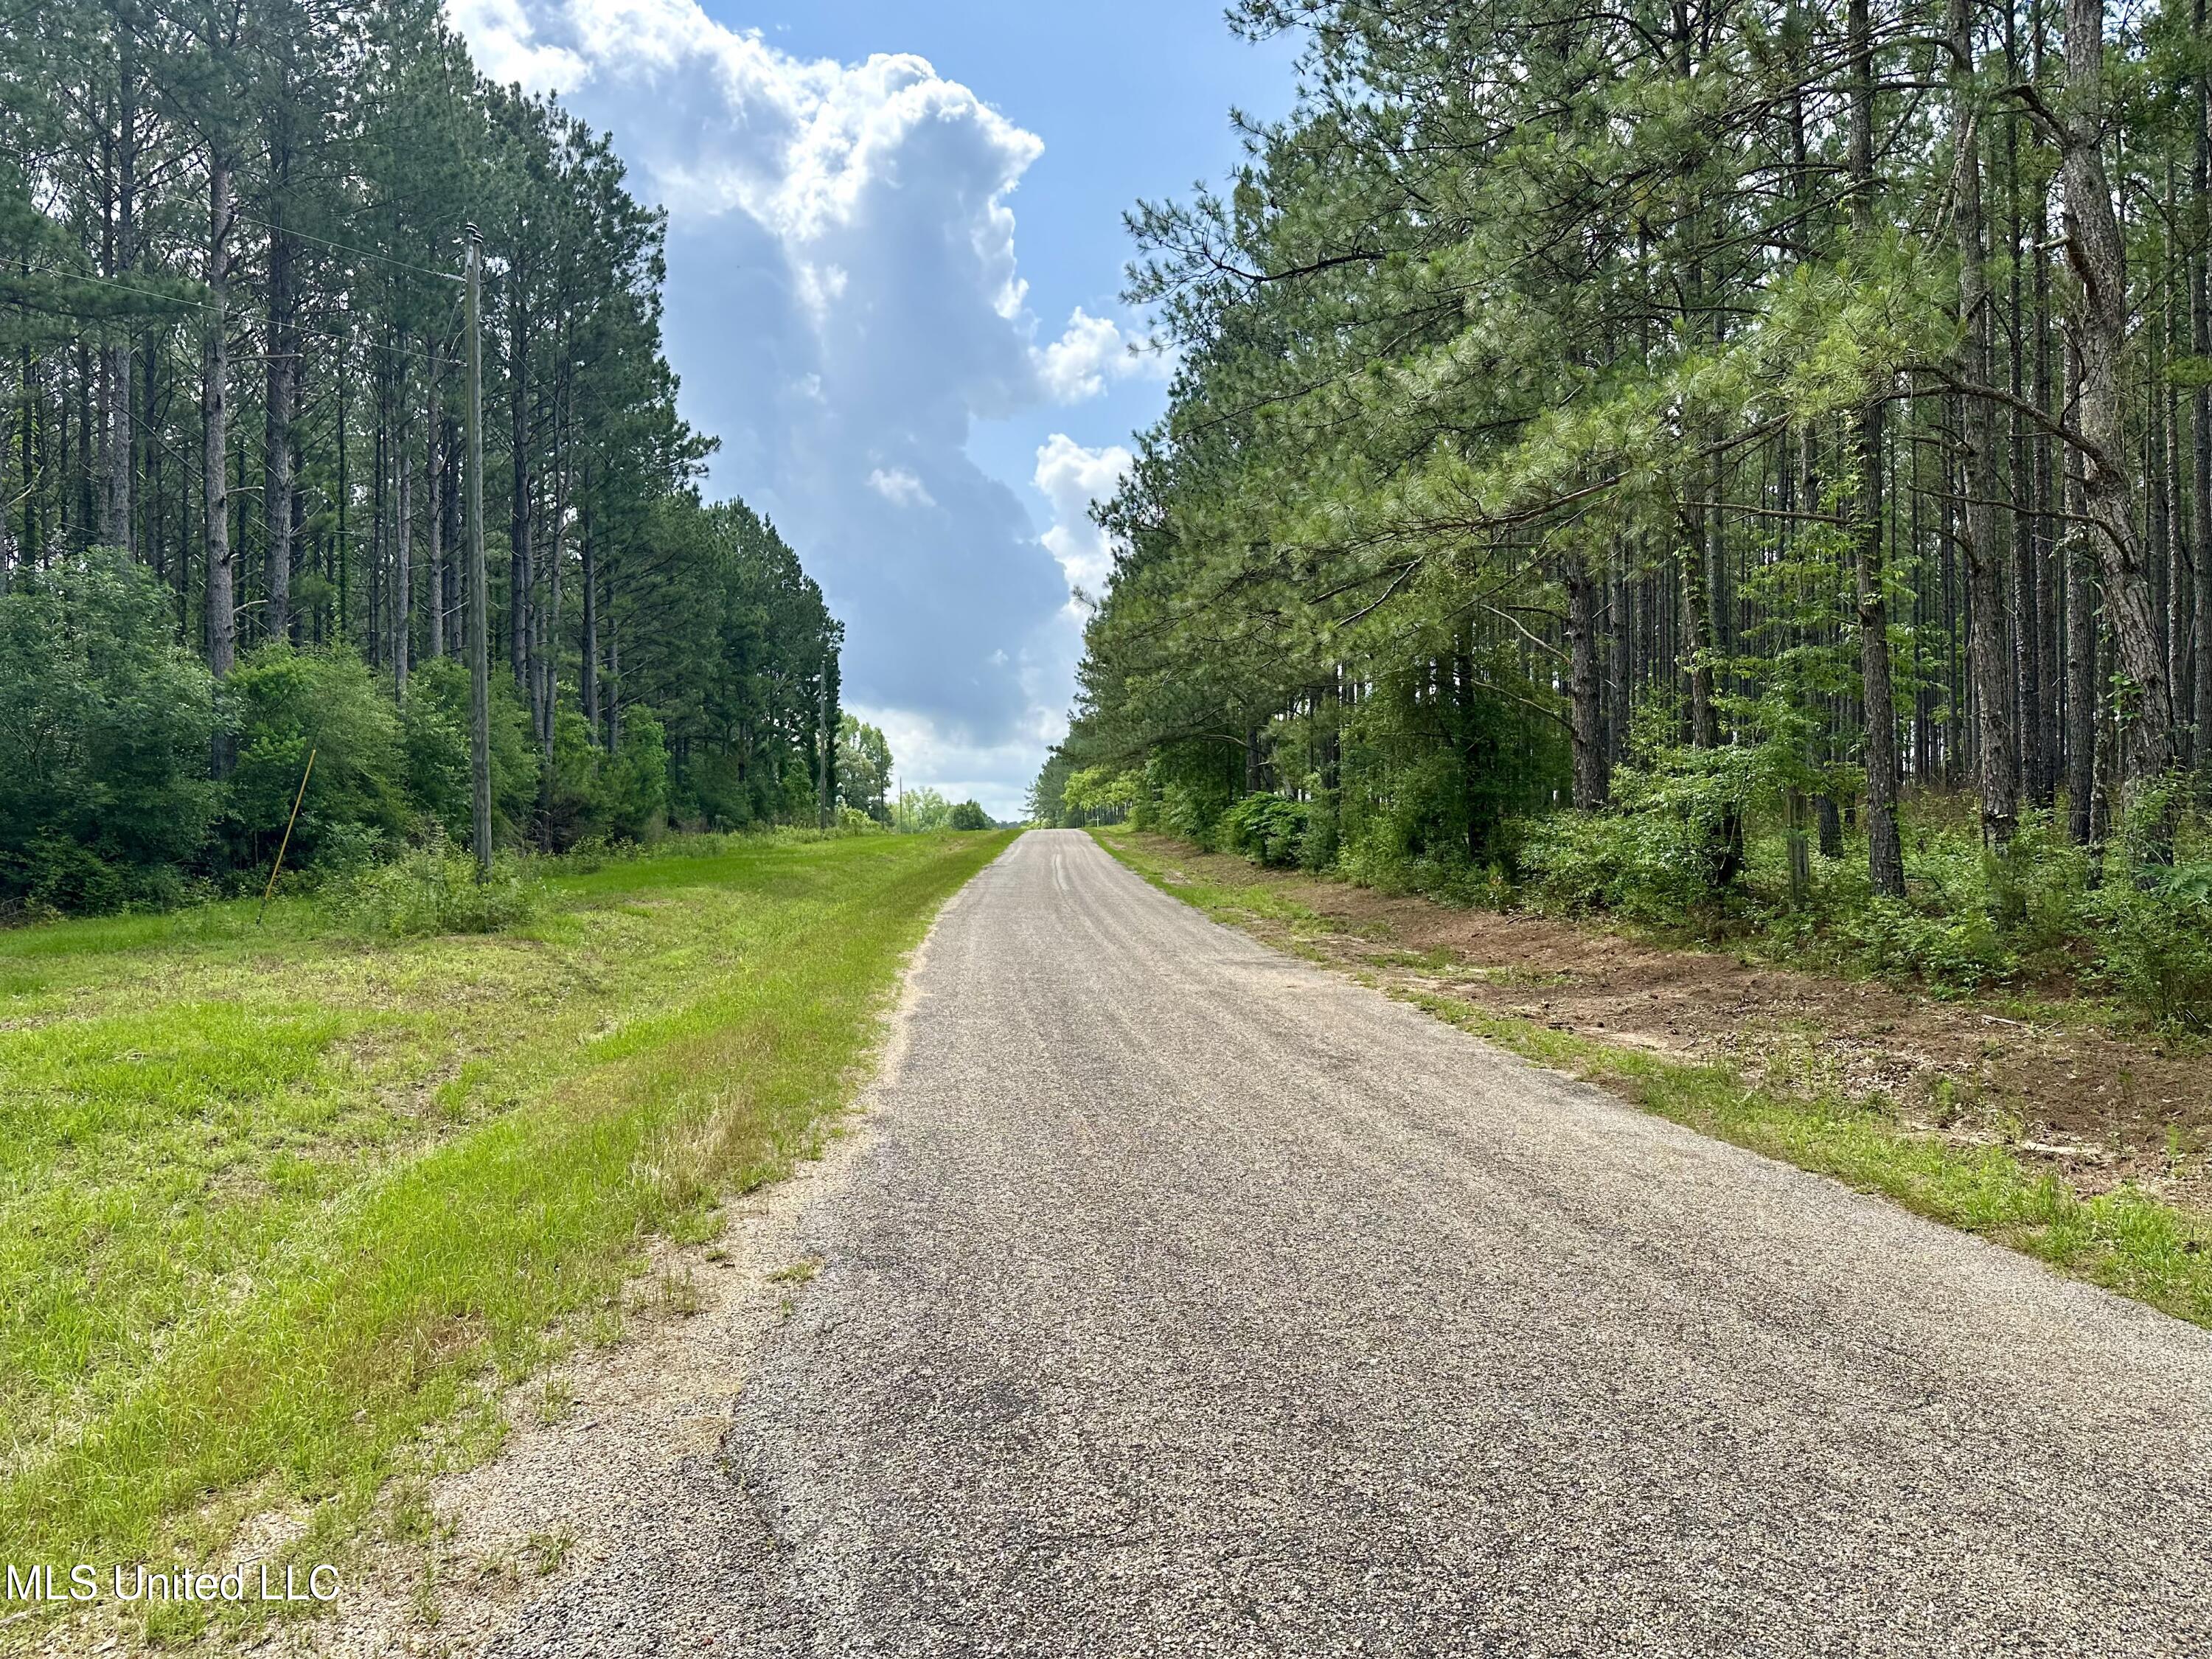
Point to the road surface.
(1190, 1300)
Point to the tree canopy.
(232, 465)
(1674, 409)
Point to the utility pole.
(480, 601)
(827, 741)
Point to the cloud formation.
(1071, 477)
(844, 302)
(1089, 352)
(901, 488)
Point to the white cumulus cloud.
(901, 488)
(504, 41)
(1071, 478)
(1089, 352)
(844, 303)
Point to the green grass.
(273, 1201)
(2126, 1240)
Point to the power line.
(346, 335)
(105, 282)
(345, 247)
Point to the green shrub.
(1975, 916)
(1323, 839)
(105, 730)
(1959, 950)
(970, 815)
(434, 738)
(1184, 788)
(1652, 866)
(50, 876)
(284, 704)
(434, 889)
(1268, 830)
(598, 796)
(2154, 938)
(1192, 811)
(716, 791)
(633, 782)
(2034, 889)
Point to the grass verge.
(2124, 1240)
(271, 1201)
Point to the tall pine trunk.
(2027, 597)
(403, 573)
(613, 694)
(518, 561)
(1698, 631)
(277, 434)
(2080, 639)
(118, 515)
(1592, 774)
(2098, 254)
(1885, 845)
(434, 514)
(588, 663)
(2046, 741)
(1987, 644)
(215, 426)
(548, 644)
(2200, 313)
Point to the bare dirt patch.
(2096, 1106)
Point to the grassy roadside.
(2124, 1240)
(270, 1202)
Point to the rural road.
(1188, 1299)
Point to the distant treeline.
(233, 466)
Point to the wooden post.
(285, 845)
(479, 599)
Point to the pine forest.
(1732, 465)
(238, 476)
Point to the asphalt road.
(1191, 1300)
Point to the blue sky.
(895, 260)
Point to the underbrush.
(2156, 940)
(1694, 854)
(426, 889)
(1269, 829)
(436, 890)
(2038, 913)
